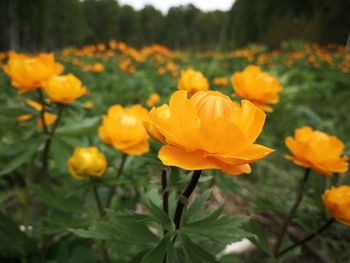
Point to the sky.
(164, 5)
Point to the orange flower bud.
(63, 89)
(152, 100)
(317, 150)
(208, 131)
(220, 82)
(123, 128)
(87, 162)
(28, 73)
(337, 202)
(257, 86)
(192, 81)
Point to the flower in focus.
(317, 150)
(49, 119)
(152, 100)
(220, 82)
(192, 81)
(28, 73)
(337, 202)
(208, 131)
(257, 86)
(87, 162)
(123, 128)
(63, 89)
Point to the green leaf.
(259, 237)
(194, 253)
(157, 254)
(160, 216)
(18, 161)
(13, 242)
(86, 126)
(218, 227)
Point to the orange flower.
(49, 119)
(337, 202)
(87, 162)
(123, 128)
(208, 131)
(27, 73)
(220, 82)
(64, 89)
(24, 117)
(152, 100)
(317, 150)
(37, 106)
(192, 81)
(257, 86)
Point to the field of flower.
(113, 154)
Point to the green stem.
(165, 194)
(98, 200)
(291, 213)
(112, 189)
(186, 194)
(308, 238)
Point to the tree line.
(51, 24)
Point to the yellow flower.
(123, 128)
(192, 81)
(337, 202)
(87, 162)
(49, 119)
(63, 89)
(208, 131)
(152, 100)
(95, 68)
(37, 106)
(28, 73)
(257, 86)
(24, 117)
(220, 82)
(317, 150)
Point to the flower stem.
(98, 201)
(165, 194)
(113, 187)
(308, 238)
(48, 142)
(187, 193)
(291, 213)
(42, 111)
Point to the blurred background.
(34, 25)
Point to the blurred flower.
(24, 117)
(152, 100)
(208, 131)
(95, 68)
(257, 86)
(220, 82)
(63, 89)
(317, 150)
(192, 81)
(87, 162)
(123, 128)
(49, 119)
(37, 106)
(337, 202)
(28, 73)
(88, 104)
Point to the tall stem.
(48, 142)
(308, 238)
(187, 193)
(98, 201)
(291, 213)
(165, 193)
(112, 189)
(42, 111)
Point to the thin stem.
(112, 189)
(165, 194)
(308, 238)
(98, 201)
(187, 193)
(42, 111)
(291, 213)
(48, 142)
